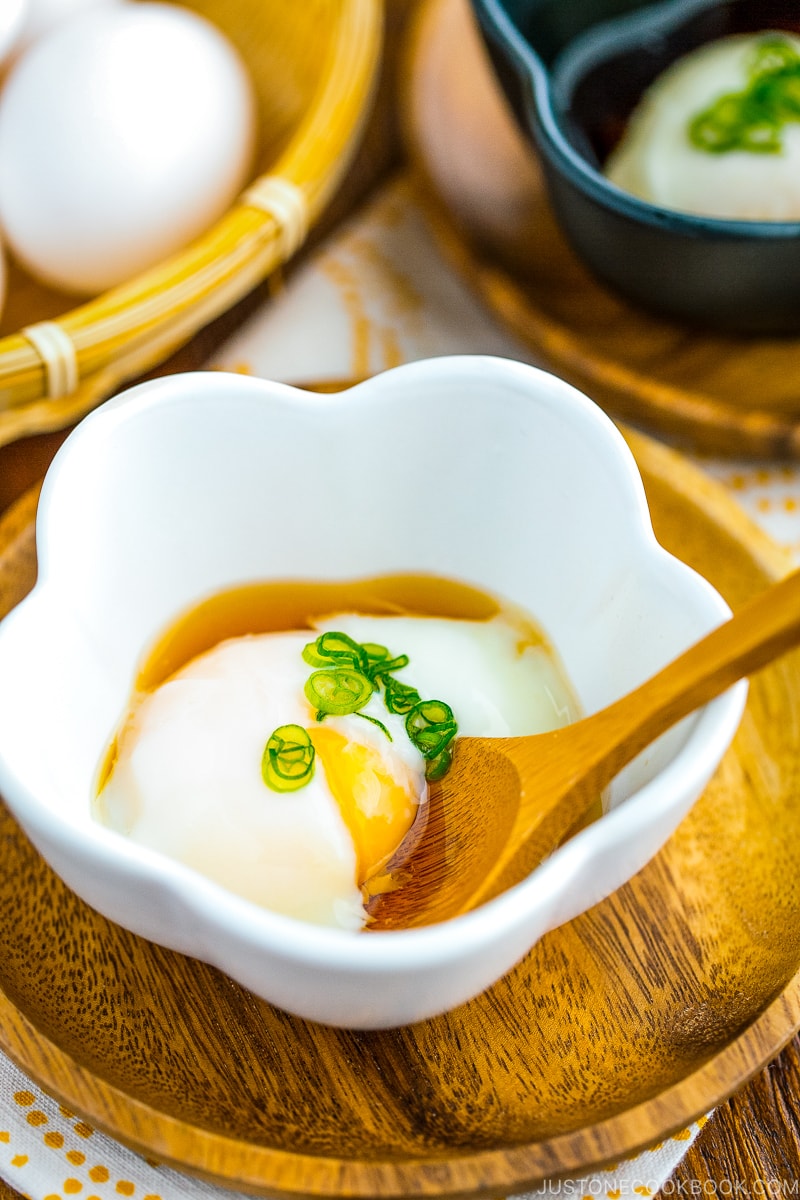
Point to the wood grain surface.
(488, 207)
(752, 1144)
(505, 805)
(615, 1031)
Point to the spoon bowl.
(508, 803)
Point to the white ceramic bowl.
(186, 484)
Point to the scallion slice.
(288, 759)
(431, 725)
(336, 693)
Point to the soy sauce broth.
(280, 605)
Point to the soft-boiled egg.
(187, 777)
(188, 781)
(717, 134)
(125, 132)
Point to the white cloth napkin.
(376, 295)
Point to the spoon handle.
(565, 771)
(758, 633)
(763, 629)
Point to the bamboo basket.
(313, 64)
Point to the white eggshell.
(124, 133)
(43, 15)
(3, 279)
(13, 15)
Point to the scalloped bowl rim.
(385, 956)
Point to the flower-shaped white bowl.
(482, 470)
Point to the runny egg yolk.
(377, 805)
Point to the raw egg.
(125, 132)
(43, 15)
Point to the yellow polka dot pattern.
(56, 1140)
(769, 493)
(62, 1134)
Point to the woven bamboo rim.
(53, 372)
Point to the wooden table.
(751, 1147)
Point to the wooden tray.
(488, 208)
(615, 1031)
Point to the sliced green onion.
(431, 725)
(399, 697)
(340, 647)
(336, 693)
(313, 658)
(435, 768)
(375, 721)
(771, 55)
(375, 652)
(351, 672)
(288, 759)
(384, 669)
(753, 119)
(335, 649)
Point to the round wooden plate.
(488, 207)
(615, 1031)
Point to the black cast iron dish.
(573, 71)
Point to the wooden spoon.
(507, 803)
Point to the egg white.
(187, 781)
(501, 679)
